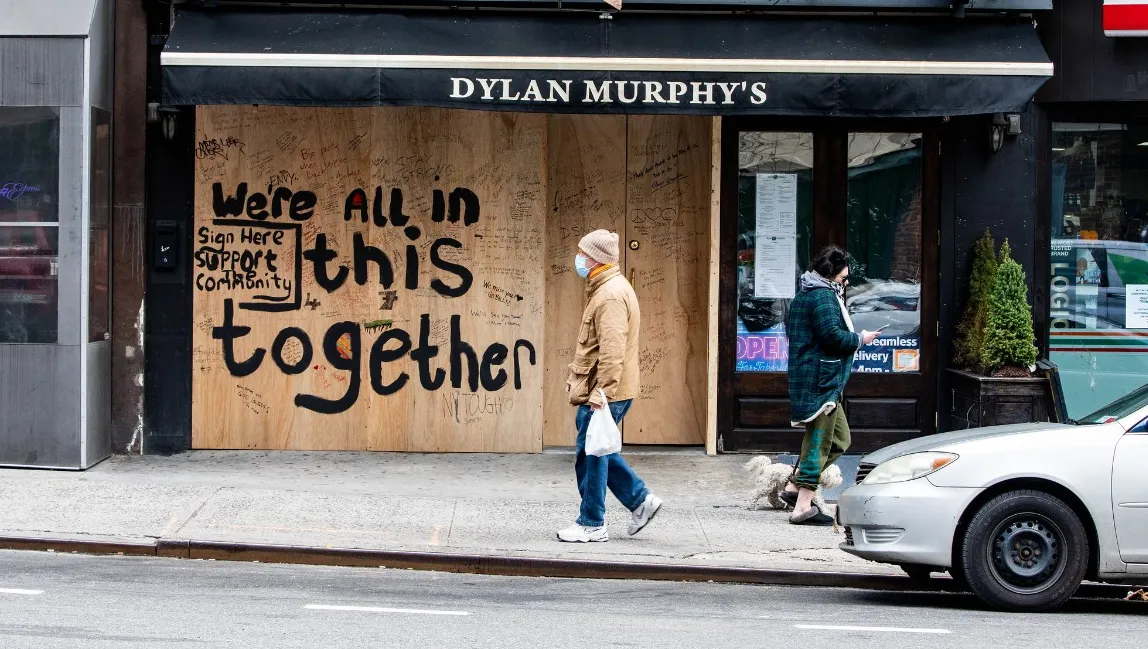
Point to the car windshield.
(1120, 408)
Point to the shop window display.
(775, 217)
(884, 243)
(1098, 319)
(775, 221)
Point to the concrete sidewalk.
(477, 505)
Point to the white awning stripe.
(606, 64)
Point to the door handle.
(632, 272)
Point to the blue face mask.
(580, 267)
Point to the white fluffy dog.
(770, 480)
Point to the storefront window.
(1099, 267)
(28, 284)
(884, 242)
(29, 164)
(775, 218)
(29, 224)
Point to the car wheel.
(1025, 551)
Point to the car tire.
(1046, 558)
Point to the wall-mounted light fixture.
(165, 116)
(169, 126)
(1002, 125)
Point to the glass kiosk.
(55, 205)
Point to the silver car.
(1021, 514)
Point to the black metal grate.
(864, 470)
(848, 535)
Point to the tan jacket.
(607, 352)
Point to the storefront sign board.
(705, 64)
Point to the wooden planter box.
(979, 401)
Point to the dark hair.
(829, 262)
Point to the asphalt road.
(64, 601)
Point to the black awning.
(627, 63)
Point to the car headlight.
(909, 467)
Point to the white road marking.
(877, 629)
(379, 609)
(20, 591)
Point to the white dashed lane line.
(870, 629)
(380, 609)
(20, 591)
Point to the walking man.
(606, 358)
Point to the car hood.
(944, 441)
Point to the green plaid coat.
(821, 349)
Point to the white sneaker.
(581, 534)
(644, 513)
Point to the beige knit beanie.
(601, 246)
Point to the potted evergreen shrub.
(995, 351)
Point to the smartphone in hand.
(872, 335)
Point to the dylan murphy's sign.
(606, 91)
(575, 62)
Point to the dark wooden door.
(871, 188)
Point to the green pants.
(826, 438)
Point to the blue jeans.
(595, 474)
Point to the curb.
(47, 544)
(493, 565)
(534, 566)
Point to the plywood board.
(668, 204)
(587, 171)
(712, 298)
(409, 316)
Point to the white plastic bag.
(603, 436)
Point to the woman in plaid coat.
(821, 348)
